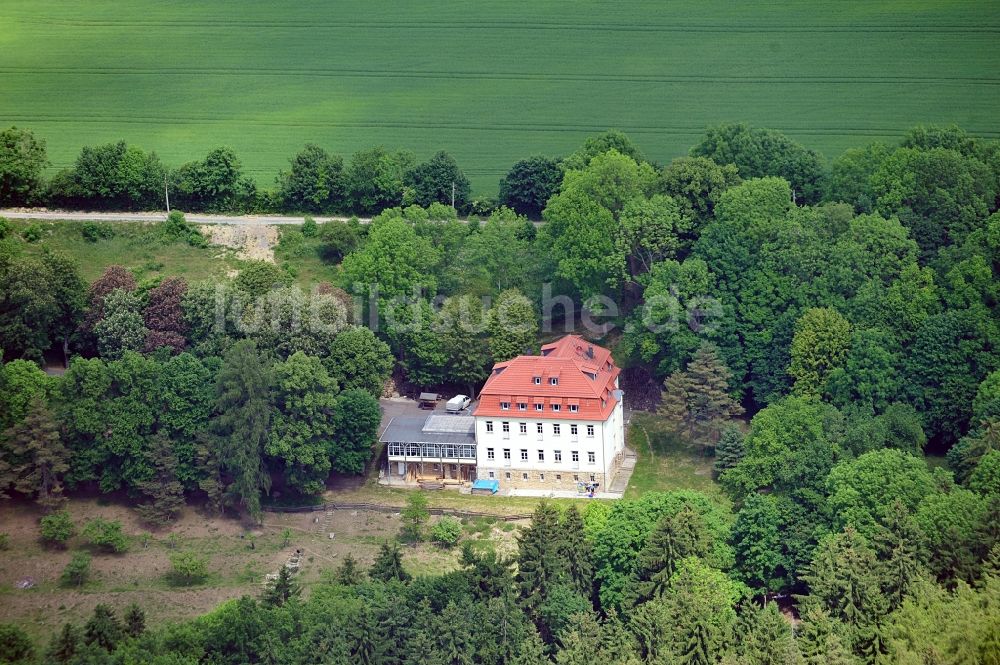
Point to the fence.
(380, 508)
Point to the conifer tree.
(540, 564)
(65, 645)
(349, 574)
(769, 639)
(281, 590)
(103, 629)
(388, 565)
(899, 544)
(728, 451)
(697, 399)
(531, 651)
(36, 457)
(675, 537)
(577, 552)
(165, 491)
(135, 621)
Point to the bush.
(309, 227)
(32, 233)
(92, 232)
(447, 531)
(15, 645)
(106, 535)
(4, 542)
(188, 568)
(5, 228)
(77, 570)
(414, 516)
(177, 228)
(57, 528)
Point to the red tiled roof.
(586, 378)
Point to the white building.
(553, 420)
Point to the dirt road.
(194, 218)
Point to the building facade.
(555, 420)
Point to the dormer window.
(573, 408)
(556, 407)
(539, 406)
(538, 380)
(554, 381)
(505, 406)
(521, 406)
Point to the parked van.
(458, 403)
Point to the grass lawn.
(666, 462)
(137, 246)
(490, 82)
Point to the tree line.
(668, 578)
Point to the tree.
(77, 570)
(869, 376)
(302, 428)
(37, 458)
(512, 326)
(851, 173)
(577, 552)
(612, 139)
(244, 412)
(135, 620)
(438, 180)
(359, 359)
(500, 256)
(375, 179)
(106, 535)
(314, 183)
(164, 316)
(529, 184)
(651, 230)
(951, 522)
(414, 516)
(215, 183)
(446, 531)
(768, 639)
(21, 384)
(388, 565)
(762, 559)
(901, 549)
(348, 573)
(63, 647)
(165, 491)
(338, 239)
(356, 420)
(187, 568)
(111, 176)
(461, 326)
(676, 537)
(103, 629)
(22, 160)
(765, 152)
(15, 646)
(57, 528)
(821, 343)
(280, 590)
(698, 397)
(121, 327)
(541, 565)
(697, 183)
(728, 451)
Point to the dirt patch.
(238, 560)
(251, 241)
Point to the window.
(556, 407)
(524, 476)
(591, 457)
(555, 429)
(575, 455)
(576, 477)
(524, 454)
(541, 477)
(558, 477)
(541, 455)
(539, 407)
(523, 427)
(573, 408)
(590, 430)
(554, 381)
(489, 425)
(506, 475)
(492, 475)
(506, 427)
(489, 453)
(538, 427)
(505, 406)
(573, 430)
(522, 406)
(506, 453)
(538, 380)
(558, 455)
(593, 477)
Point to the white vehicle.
(458, 403)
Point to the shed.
(428, 400)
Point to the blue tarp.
(490, 486)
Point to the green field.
(489, 82)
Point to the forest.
(829, 332)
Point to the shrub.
(4, 542)
(414, 516)
(33, 233)
(15, 645)
(177, 228)
(57, 528)
(447, 531)
(92, 232)
(5, 228)
(309, 227)
(188, 568)
(77, 570)
(106, 535)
